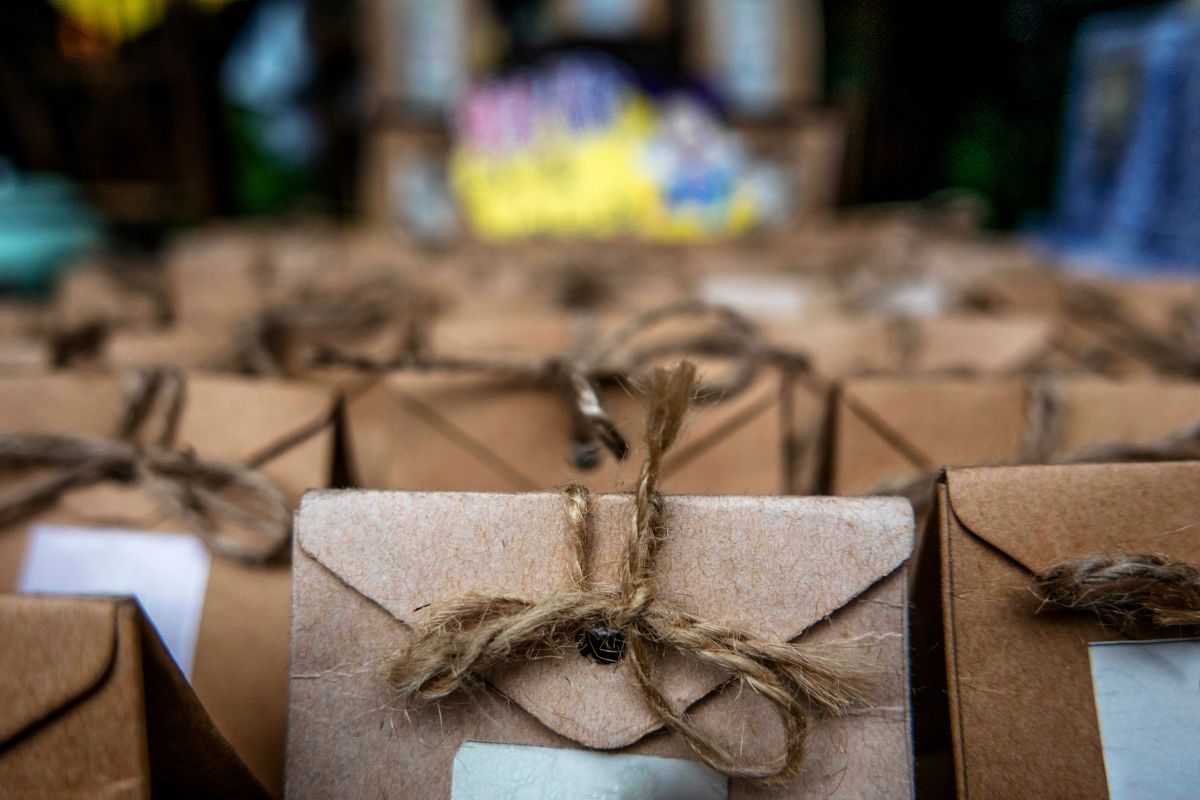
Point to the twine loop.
(457, 643)
(199, 492)
(612, 359)
(310, 318)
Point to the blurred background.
(1074, 121)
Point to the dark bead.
(602, 645)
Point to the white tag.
(167, 572)
(762, 297)
(1148, 705)
(485, 771)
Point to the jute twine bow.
(312, 318)
(611, 359)
(456, 644)
(199, 492)
(1124, 589)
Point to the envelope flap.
(943, 420)
(55, 650)
(1042, 515)
(772, 565)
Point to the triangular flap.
(772, 565)
(55, 650)
(943, 420)
(1042, 515)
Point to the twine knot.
(197, 491)
(459, 642)
(612, 359)
(264, 341)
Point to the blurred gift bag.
(178, 489)
(91, 705)
(524, 403)
(1070, 594)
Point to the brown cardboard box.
(825, 568)
(286, 432)
(1022, 714)
(91, 705)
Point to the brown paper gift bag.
(1023, 718)
(844, 345)
(91, 705)
(367, 563)
(475, 431)
(285, 431)
(892, 429)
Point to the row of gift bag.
(91, 685)
(166, 454)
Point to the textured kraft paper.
(447, 431)
(91, 705)
(843, 345)
(1022, 714)
(895, 428)
(241, 652)
(366, 563)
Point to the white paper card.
(167, 572)
(484, 771)
(1148, 705)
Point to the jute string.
(311, 318)
(579, 376)
(199, 492)
(1124, 589)
(457, 643)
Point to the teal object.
(44, 224)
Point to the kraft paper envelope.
(1022, 714)
(478, 432)
(367, 563)
(91, 706)
(241, 649)
(843, 345)
(898, 428)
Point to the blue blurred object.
(267, 71)
(44, 225)
(1129, 186)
